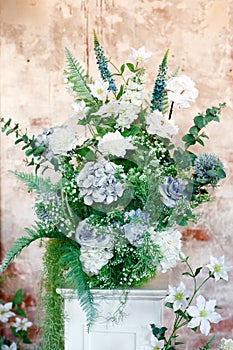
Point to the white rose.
(115, 144)
(62, 140)
(181, 90)
(158, 124)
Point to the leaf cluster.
(196, 133)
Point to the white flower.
(177, 296)
(99, 89)
(133, 90)
(218, 268)
(21, 324)
(97, 183)
(203, 314)
(159, 124)
(140, 55)
(127, 114)
(226, 344)
(93, 259)
(5, 312)
(80, 110)
(13, 346)
(169, 242)
(181, 90)
(108, 109)
(156, 344)
(115, 144)
(62, 140)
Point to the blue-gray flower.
(171, 191)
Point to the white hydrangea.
(115, 144)
(93, 259)
(98, 184)
(62, 140)
(159, 124)
(134, 90)
(169, 242)
(127, 114)
(108, 109)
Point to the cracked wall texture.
(199, 36)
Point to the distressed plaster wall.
(200, 38)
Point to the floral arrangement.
(180, 300)
(124, 186)
(12, 315)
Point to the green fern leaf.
(76, 279)
(78, 78)
(34, 182)
(16, 249)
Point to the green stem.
(118, 71)
(177, 323)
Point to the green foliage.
(76, 75)
(34, 182)
(75, 278)
(16, 249)
(208, 344)
(50, 302)
(195, 134)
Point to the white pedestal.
(142, 308)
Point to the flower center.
(100, 91)
(157, 347)
(217, 268)
(203, 313)
(179, 296)
(140, 59)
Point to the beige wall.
(200, 38)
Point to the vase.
(123, 322)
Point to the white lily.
(203, 314)
(140, 55)
(5, 312)
(99, 89)
(21, 324)
(13, 346)
(177, 296)
(218, 268)
(226, 344)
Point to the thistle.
(103, 65)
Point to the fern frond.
(76, 279)
(34, 182)
(77, 76)
(16, 249)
